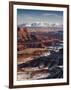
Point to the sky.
(33, 16)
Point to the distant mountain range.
(40, 24)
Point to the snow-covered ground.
(32, 73)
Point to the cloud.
(48, 14)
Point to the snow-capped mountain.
(40, 24)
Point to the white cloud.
(47, 14)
